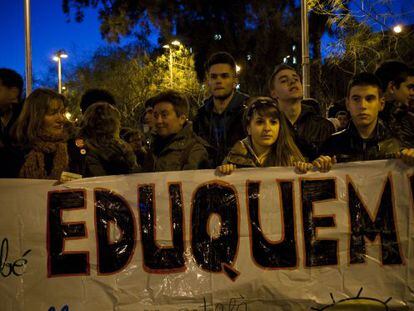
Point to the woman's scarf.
(34, 165)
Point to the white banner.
(259, 239)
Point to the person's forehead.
(286, 73)
(220, 68)
(163, 106)
(364, 90)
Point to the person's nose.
(158, 119)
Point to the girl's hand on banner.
(226, 169)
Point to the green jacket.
(184, 151)
(243, 155)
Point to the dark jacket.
(10, 158)
(223, 130)
(400, 121)
(310, 131)
(182, 151)
(113, 158)
(348, 146)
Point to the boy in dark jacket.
(366, 138)
(308, 128)
(175, 146)
(397, 82)
(219, 120)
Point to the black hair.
(178, 101)
(149, 103)
(93, 96)
(221, 58)
(11, 78)
(342, 113)
(392, 71)
(364, 79)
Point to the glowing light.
(397, 28)
(238, 68)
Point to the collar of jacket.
(394, 108)
(243, 154)
(179, 140)
(381, 132)
(234, 104)
(306, 112)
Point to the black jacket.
(310, 131)
(223, 130)
(400, 122)
(89, 160)
(348, 146)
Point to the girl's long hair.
(27, 128)
(284, 150)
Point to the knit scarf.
(34, 165)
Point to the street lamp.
(169, 47)
(397, 28)
(58, 58)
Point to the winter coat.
(348, 146)
(243, 155)
(183, 151)
(115, 157)
(223, 130)
(400, 122)
(310, 131)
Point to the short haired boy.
(218, 120)
(175, 146)
(366, 138)
(308, 128)
(397, 81)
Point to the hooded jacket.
(223, 130)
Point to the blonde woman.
(40, 137)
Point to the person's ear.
(273, 94)
(236, 81)
(13, 94)
(382, 103)
(182, 119)
(391, 87)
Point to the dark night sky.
(52, 31)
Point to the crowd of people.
(230, 130)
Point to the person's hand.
(407, 156)
(302, 167)
(226, 169)
(324, 163)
